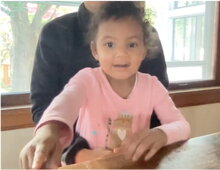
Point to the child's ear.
(94, 50)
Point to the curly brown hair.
(116, 10)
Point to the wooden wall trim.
(20, 117)
(16, 118)
(196, 97)
(15, 99)
(192, 85)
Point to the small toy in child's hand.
(120, 129)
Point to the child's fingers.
(117, 150)
(40, 156)
(30, 155)
(103, 151)
(24, 163)
(55, 159)
(26, 157)
(142, 148)
(134, 143)
(152, 152)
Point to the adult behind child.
(119, 42)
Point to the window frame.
(16, 111)
(175, 6)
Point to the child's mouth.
(121, 65)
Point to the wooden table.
(200, 153)
(197, 153)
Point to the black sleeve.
(154, 62)
(79, 143)
(45, 82)
(155, 65)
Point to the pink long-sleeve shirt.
(89, 97)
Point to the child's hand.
(87, 154)
(44, 150)
(144, 143)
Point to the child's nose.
(121, 52)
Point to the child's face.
(119, 47)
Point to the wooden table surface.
(200, 153)
(197, 153)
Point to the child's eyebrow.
(129, 38)
(107, 37)
(135, 37)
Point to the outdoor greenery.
(22, 22)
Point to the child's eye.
(109, 44)
(132, 45)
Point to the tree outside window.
(21, 23)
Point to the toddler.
(114, 102)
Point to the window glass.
(186, 29)
(187, 32)
(21, 22)
(182, 4)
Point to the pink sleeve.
(173, 123)
(65, 107)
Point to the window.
(21, 22)
(187, 32)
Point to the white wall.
(204, 119)
(12, 142)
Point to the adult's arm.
(45, 82)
